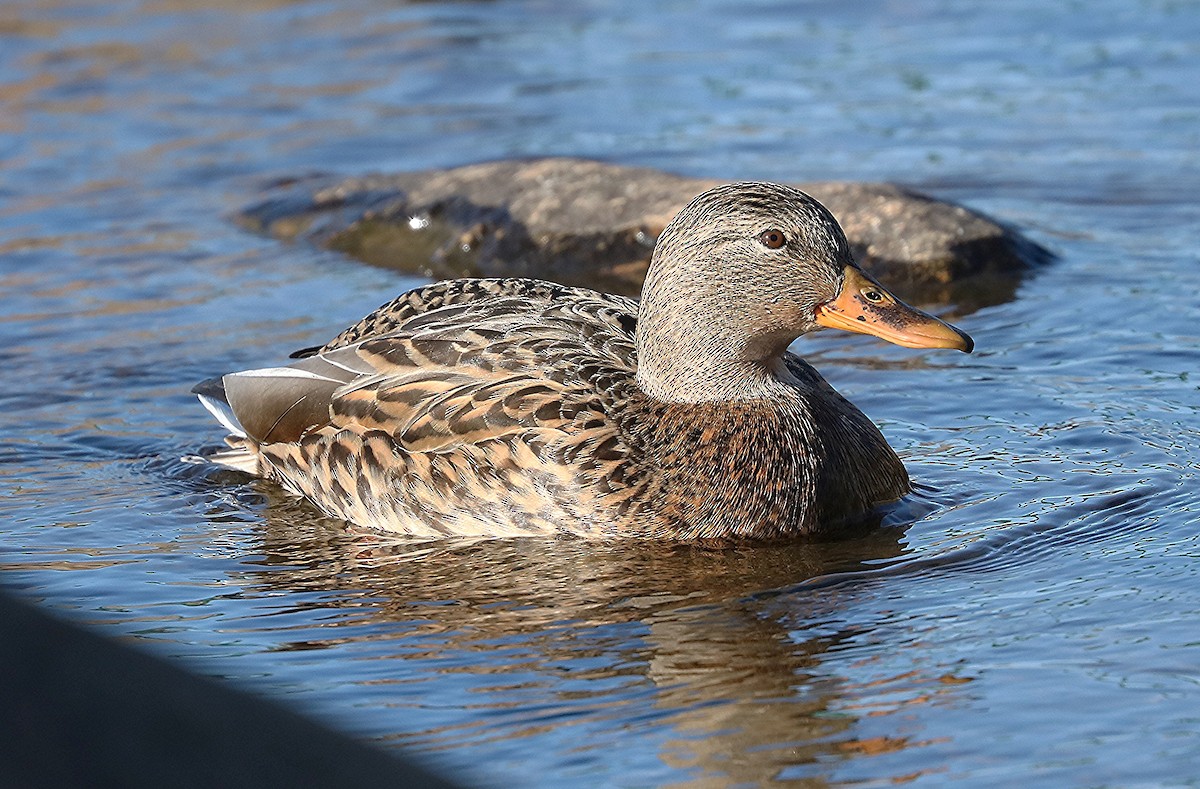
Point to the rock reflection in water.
(743, 696)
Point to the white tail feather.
(237, 458)
(224, 415)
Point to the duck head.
(740, 273)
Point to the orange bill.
(865, 306)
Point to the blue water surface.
(1031, 616)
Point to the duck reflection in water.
(731, 641)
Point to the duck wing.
(400, 311)
(454, 363)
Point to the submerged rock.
(584, 222)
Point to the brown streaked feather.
(512, 416)
(515, 366)
(481, 408)
(431, 299)
(518, 407)
(496, 487)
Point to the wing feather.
(457, 363)
(453, 301)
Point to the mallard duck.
(504, 407)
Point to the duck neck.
(693, 364)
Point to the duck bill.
(864, 306)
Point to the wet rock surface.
(590, 223)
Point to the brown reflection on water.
(747, 696)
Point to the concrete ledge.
(80, 710)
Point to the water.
(1031, 615)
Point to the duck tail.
(242, 455)
(212, 396)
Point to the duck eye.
(772, 239)
(872, 296)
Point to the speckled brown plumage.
(514, 406)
